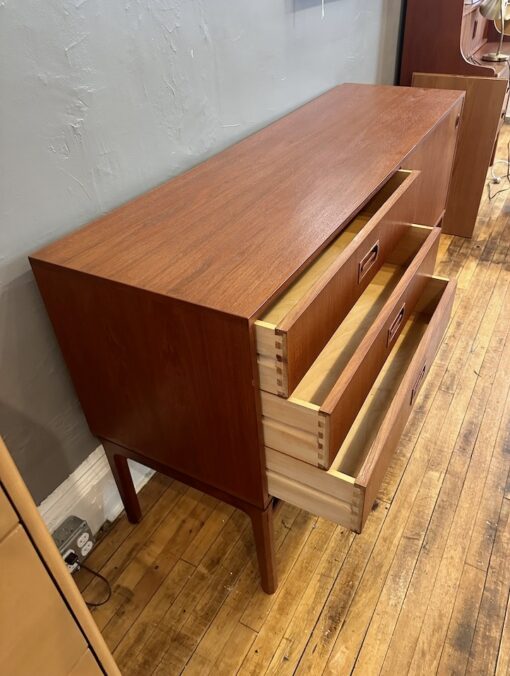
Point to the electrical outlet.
(74, 537)
(83, 539)
(87, 548)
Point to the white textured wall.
(102, 99)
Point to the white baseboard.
(90, 493)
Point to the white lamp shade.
(494, 9)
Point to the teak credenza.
(260, 326)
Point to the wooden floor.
(424, 589)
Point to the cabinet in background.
(444, 42)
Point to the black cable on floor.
(108, 586)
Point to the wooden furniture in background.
(172, 310)
(45, 625)
(443, 47)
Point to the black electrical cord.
(497, 179)
(93, 604)
(72, 561)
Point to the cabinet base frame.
(261, 519)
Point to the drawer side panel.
(374, 467)
(346, 398)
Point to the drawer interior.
(311, 423)
(330, 363)
(338, 493)
(358, 443)
(302, 285)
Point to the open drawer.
(345, 494)
(296, 327)
(312, 423)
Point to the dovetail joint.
(321, 440)
(281, 380)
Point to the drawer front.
(344, 401)
(313, 430)
(8, 517)
(345, 511)
(36, 628)
(336, 494)
(387, 439)
(289, 349)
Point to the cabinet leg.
(262, 523)
(122, 475)
(261, 520)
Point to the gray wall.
(100, 101)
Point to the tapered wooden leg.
(122, 475)
(262, 522)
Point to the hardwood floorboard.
(457, 645)
(447, 437)
(333, 615)
(491, 618)
(452, 454)
(503, 663)
(469, 461)
(424, 589)
(120, 530)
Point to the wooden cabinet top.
(233, 231)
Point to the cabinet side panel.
(481, 119)
(167, 379)
(434, 158)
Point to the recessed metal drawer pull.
(417, 384)
(395, 324)
(368, 261)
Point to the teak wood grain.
(312, 424)
(345, 399)
(168, 378)
(433, 158)
(483, 114)
(308, 326)
(346, 492)
(372, 472)
(232, 232)
(428, 576)
(154, 304)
